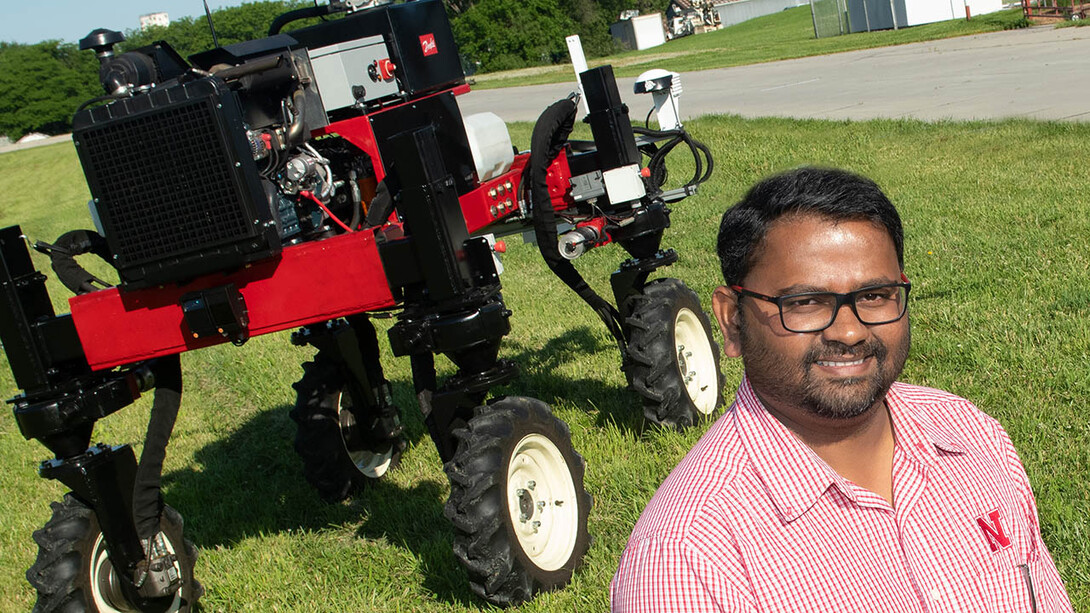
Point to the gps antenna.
(211, 26)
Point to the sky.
(31, 21)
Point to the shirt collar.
(795, 477)
(917, 435)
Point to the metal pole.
(813, 17)
(893, 12)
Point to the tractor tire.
(73, 570)
(517, 501)
(338, 459)
(672, 358)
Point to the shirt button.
(936, 594)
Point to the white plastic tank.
(490, 144)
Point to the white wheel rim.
(371, 463)
(542, 502)
(104, 581)
(695, 361)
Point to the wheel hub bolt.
(526, 505)
(530, 485)
(536, 525)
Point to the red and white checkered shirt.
(753, 520)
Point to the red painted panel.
(477, 204)
(358, 132)
(308, 283)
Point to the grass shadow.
(250, 483)
(613, 404)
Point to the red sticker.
(427, 44)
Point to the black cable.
(96, 100)
(702, 156)
(303, 13)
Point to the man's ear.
(725, 307)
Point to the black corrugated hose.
(549, 137)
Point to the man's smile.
(840, 364)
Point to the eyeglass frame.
(841, 300)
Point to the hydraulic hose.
(549, 137)
(303, 13)
(62, 257)
(147, 501)
(700, 151)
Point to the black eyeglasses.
(815, 311)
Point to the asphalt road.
(1037, 72)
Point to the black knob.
(101, 40)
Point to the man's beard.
(844, 398)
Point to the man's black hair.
(833, 194)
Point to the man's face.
(842, 371)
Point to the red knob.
(386, 69)
(500, 247)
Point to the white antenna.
(579, 63)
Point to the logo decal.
(427, 44)
(993, 531)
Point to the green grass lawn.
(784, 35)
(997, 246)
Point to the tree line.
(42, 84)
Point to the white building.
(639, 32)
(868, 15)
(154, 19)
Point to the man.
(827, 486)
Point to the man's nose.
(846, 327)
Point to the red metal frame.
(358, 130)
(308, 283)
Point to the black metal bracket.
(103, 477)
(217, 311)
(630, 278)
(451, 333)
(455, 400)
(63, 419)
(354, 347)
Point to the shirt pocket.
(1007, 582)
(1012, 588)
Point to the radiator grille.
(165, 182)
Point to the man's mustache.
(835, 350)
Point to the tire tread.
(477, 504)
(651, 368)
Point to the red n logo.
(993, 531)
